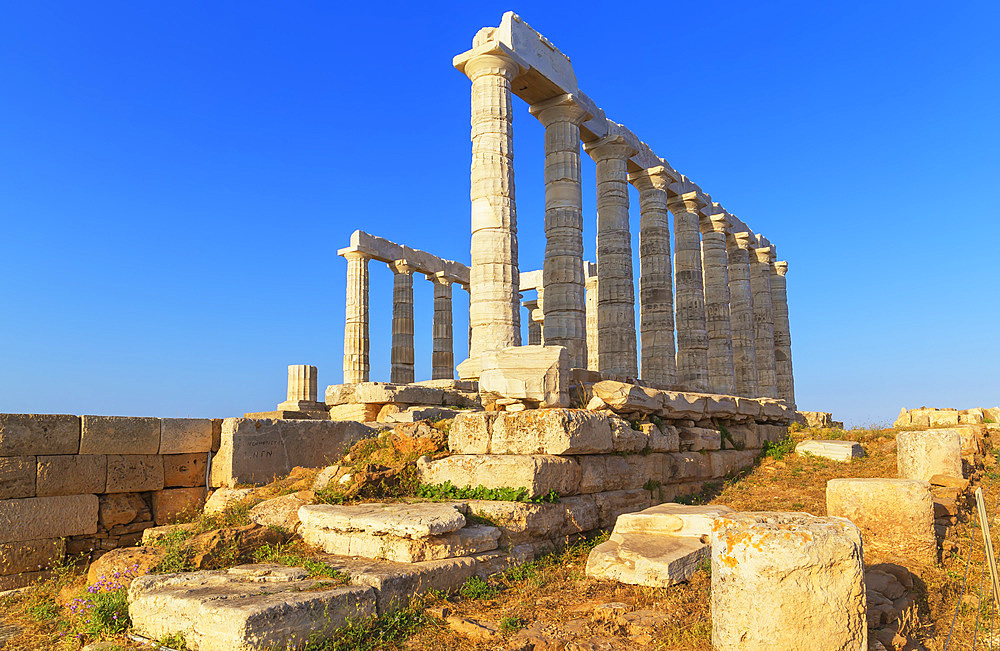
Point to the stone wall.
(946, 417)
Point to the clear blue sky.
(175, 180)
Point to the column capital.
(691, 202)
(490, 58)
(401, 266)
(743, 240)
(354, 254)
(764, 254)
(440, 278)
(561, 108)
(653, 178)
(610, 146)
(781, 267)
(718, 223)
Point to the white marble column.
(715, 269)
(442, 353)
(689, 292)
(494, 310)
(741, 315)
(763, 317)
(302, 388)
(782, 334)
(534, 325)
(356, 344)
(565, 322)
(590, 273)
(616, 291)
(401, 353)
(656, 293)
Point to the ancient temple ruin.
(713, 311)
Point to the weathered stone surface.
(248, 607)
(943, 417)
(30, 555)
(410, 394)
(35, 434)
(612, 504)
(628, 397)
(551, 431)
(282, 512)
(184, 469)
(71, 474)
(172, 503)
(118, 509)
(223, 497)
(672, 520)
(134, 473)
(836, 450)
(153, 534)
(358, 412)
(726, 463)
(256, 451)
(17, 477)
(538, 474)
(895, 516)
(602, 472)
(416, 414)
(695, 439)
(663, 438)
(22, 580)
(121, 566)
(685, 466)
(923, 454)
(185, 435)
(419, 520)
(818, 418)
(539, 373)
(471, 433)
(35, 518)
(465, 541)
(119, 435)
(683, 405)
(520, 522)
(646, 559)
(805, 572)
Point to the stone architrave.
(782, 334)
(494, 302)
(763, 317)
(590, 272)
(616, 292)
(443, 352)
(565, 319)
(656, 294)
(401, 354)
(534, 326)
(356, 365)
(741, 316)
(715, 268)
(302, 392)
(692, 336)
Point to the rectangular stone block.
(464, 542)
(612, 504)
(35, 518)
(538, 373)
(519, 522)
(600, 472)
(629, 398)
(726, 463)
(17, 477)
(30, 555)
(184, 469)
(71, 474)
(695, 439)
(360, 412)
(943, 417)
(134, 473)
(34, 434)
(551, 431)
(686, 466)
(119, 435)
(538, 474)
(384, 393)
(172, 503)
(395, 584)
(185, 435)
(471, 433)
(923, 454)
(895, 516)
(22, 580)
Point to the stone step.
(647, 559)
(836, 450)
(399, 520)
(464, 542)
(671, 519)
(415, 414)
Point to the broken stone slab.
(36, 518)
(836, 450)
(281, 512)
(923, 454)
(538, 373)
(672, 520)
(539, 474)
(419, 520)
(247, 607)
(415, 414)
(628, 398)
(646, 559)
(223, 498)
(464, 542)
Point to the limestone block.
(613, 503)
(35, 518)
(470, 433)
(629, 398)
(717, 406)
(601, 472)
(805, 572)
(626, 439)
(521, 522)
(22, 580)
(411, 394)
(71, 474)
(134, 473)
(923, 454)
(119, 508)
(17, 477)
(416, 414)
(971, 416)
(395, 584)
(646, 559)
(538, 474)
(582, 513)
(726, 463)
(184, 469)
(746, 435)
(240, 609)
(119, 435)
(748, 407)
(173, 503)
(185, 435)
(644, 468)
(943, 417)
(222, 498)
(281, 512)
(672, 520)
(991, 415)
(419, 520)
(665, 438)
(35, 434)
(539, 373)
(699, 438)
(683, 405)
(973, 437)
(903, 420)
(551, 431)
(361, 412)
(339, 394)
(823, 418)
(895, 516)
(685, 466)
(468, 540)
(772, 433)
(30, 555)
(836, 450)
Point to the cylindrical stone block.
(302, 383)
(356, 343)
(401, 353)
(741, 316)
(763, 317)
(782, 335)
(923, 454)
(692, 336)
(443, 353)
(787, 582)
(715, 267)
(592, 340)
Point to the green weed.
(448, 491)
(779, 449)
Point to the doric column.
(302, 388)
(741, 315)
(534, 325)
(442, 354)
(590, 273)
(692, 337)
(782, 334)
(656, 294)
(401, 354)
(494, 307)
(565, 322)
(616, 351)
(715, 269)
(356, 366)
(763, 320)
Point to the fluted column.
(616, 352)
(763, 318)
(593, 344)
(782, 334)
(692, 336)
(302, 388)
(656, 294)
(741, 315)
(534, 325)
(401, 354)
(443, 351)
(565, 322)
(356, 366)
(715, 269)
(494, 309)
